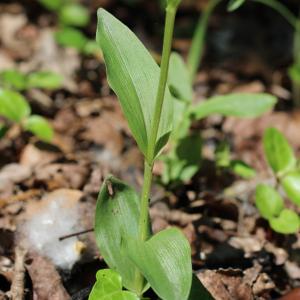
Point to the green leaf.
(133, 75)
(13, 79)
(294, 73)
(286, 223)
(40, 127)
(198, 291)
(45, 80)
(222, 155)
(13, 106)
(71, 37)
(109, 287)
(242, 169)
(91, 48)
(179, 80)
(268, 201)
(235, 4)
(117, 215)
(182, 163)
(53, 5)
(291, 185)
(165, 261)
(238, 105)
(74, 14)
(279, 153)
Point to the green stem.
(164, 69)
(197, 47)
(144, 214)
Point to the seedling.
(16, 80)
(122, 225)
(184, 157)
(282, 160)
(15, 109)
(72, 15)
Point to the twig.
(75, 234)
(17, 287)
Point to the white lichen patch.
(58, 217)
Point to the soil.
(235, 254)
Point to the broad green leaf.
(45, 80)
(198, 291)
(54, 5)
(117, 215)
(13, 106)
(165, 261)
(286, 223)
(238, 105)
(279, 153)
(242, 169)
(133, 75)
(235, 4)
(13, 79)
(71, 37)
(74, 14)
(268, 201)
(40, 127)
(179, 80)
(291, 185)
(109, 287)
(198, 42)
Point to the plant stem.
(164, 69)
(144, 214)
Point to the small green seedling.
(122, 226)
(224, 162)
(16, 80)
(72, 16)
(282, 160)
(14, 108)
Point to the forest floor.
(48, 191)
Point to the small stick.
(17, 287)
(75, 234)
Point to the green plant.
(14, 108)
(182, 160)
(72, 15)
(16, 80)
(280, 157)
(122, 225)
